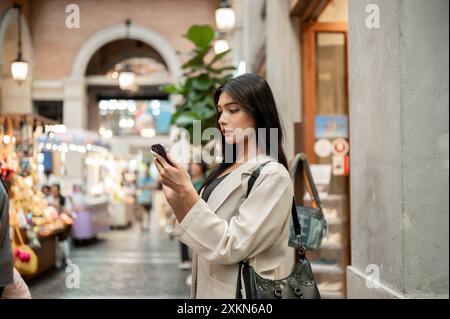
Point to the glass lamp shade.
(19, 70)
(225, 19)
(127, 80)
(148, 132)
(221, 46)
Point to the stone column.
(283, 65)
(399, 163)
(16, 98)
(75, 116)
(75, 102)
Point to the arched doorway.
(109, 105)
(75, 87)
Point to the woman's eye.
(234, 110)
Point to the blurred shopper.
(47, 179)
(61, 204)
(163, 209)
(198, 174)
(222, 225)
(56, 199)
(6, 257)
(45, 189)
(145, 185)
(17, 289)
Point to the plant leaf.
(219, 56)
(202, 109)
(201, 35)
(220, 70)
(186, 118)
(202, 83)
(197, 60)
(171, 89)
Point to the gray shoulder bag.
(300, 284)
(312, 219)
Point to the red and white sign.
(341, 165)
(346, 165)
(340, 147)
(338, 165)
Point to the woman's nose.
(222, 119)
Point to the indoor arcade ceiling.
(117, 51)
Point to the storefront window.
(146, 118)
(331, 85)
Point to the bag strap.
(251, 182)
(301, 164)
(17, 229)
(254, 176)
(297, 228)
(239, 284)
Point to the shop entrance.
(325, 134)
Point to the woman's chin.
(229, 139)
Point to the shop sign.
(321, 173)
(341, 165)
(331, 126)
(338, 165)
(340, 147)
(323, 147)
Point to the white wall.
(399, 116)
(277, 36)
(283, 65)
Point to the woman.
(18, 289)
(6, 256)
(197, 172)
(56, 199)
(145, 184)
(222, 226)
(163, 209)
(62, 206)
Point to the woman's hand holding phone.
(177, 185)
(160, 150)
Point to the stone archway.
(146, 35)
(75, 108)
(15, 97)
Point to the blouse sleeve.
(257, 226)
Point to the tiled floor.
(121, 264)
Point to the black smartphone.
(161, 150)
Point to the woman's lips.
(227, 131)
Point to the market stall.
(36, 225)
(120, 185)
(82, 156)
(92, 218)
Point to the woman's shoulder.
(276, 168)
(274, 174)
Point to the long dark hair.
(253, 93)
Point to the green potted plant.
(203, 73)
